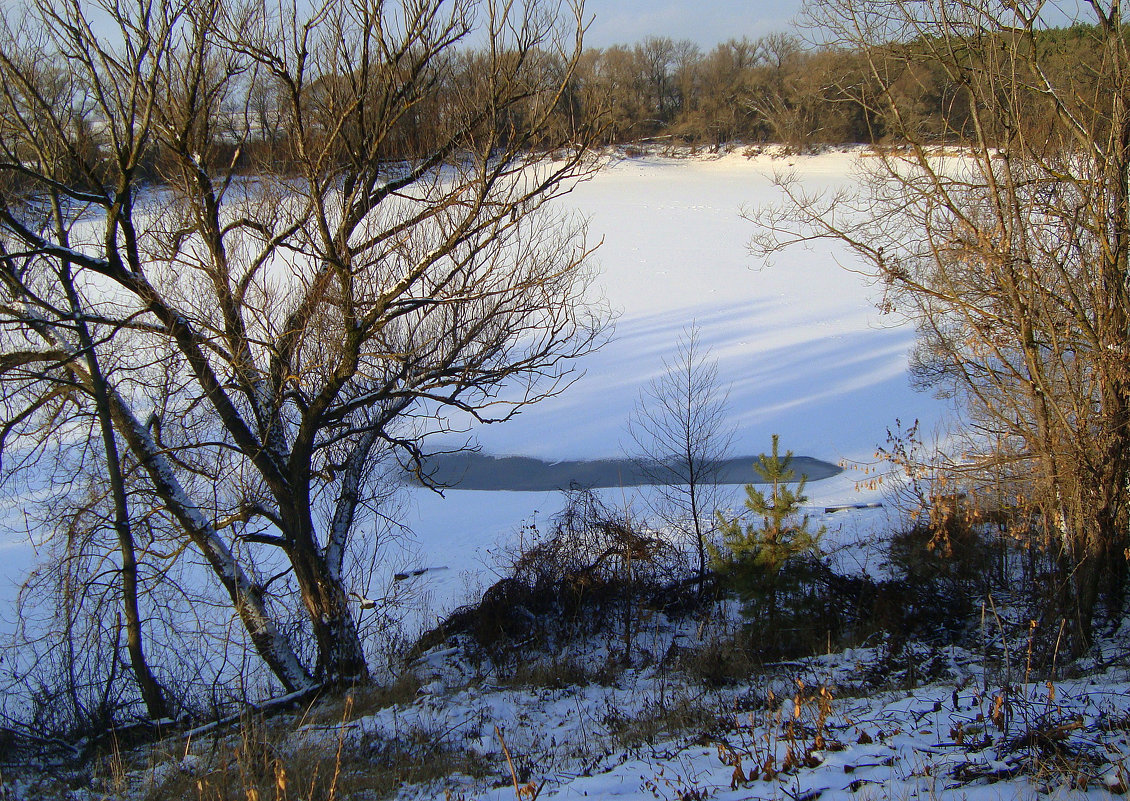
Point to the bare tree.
(280, 326)
(724, 98)
(680, 430)
(1010, 252)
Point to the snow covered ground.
(867, 723)
(805, 730)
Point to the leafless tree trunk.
(151, 691)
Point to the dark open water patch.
(477, 471)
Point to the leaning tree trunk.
(269, 642)
(151, 692)
(318, 569)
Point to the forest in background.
(779, 89)
(776, 89)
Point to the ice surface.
(799, 342)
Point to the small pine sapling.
(753, 554)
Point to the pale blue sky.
(705, 22)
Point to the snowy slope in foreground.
(806, 730)
(799, 342)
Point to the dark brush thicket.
(596, 574)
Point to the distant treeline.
(777, 89)
(774, 89)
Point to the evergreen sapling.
(753, 554)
